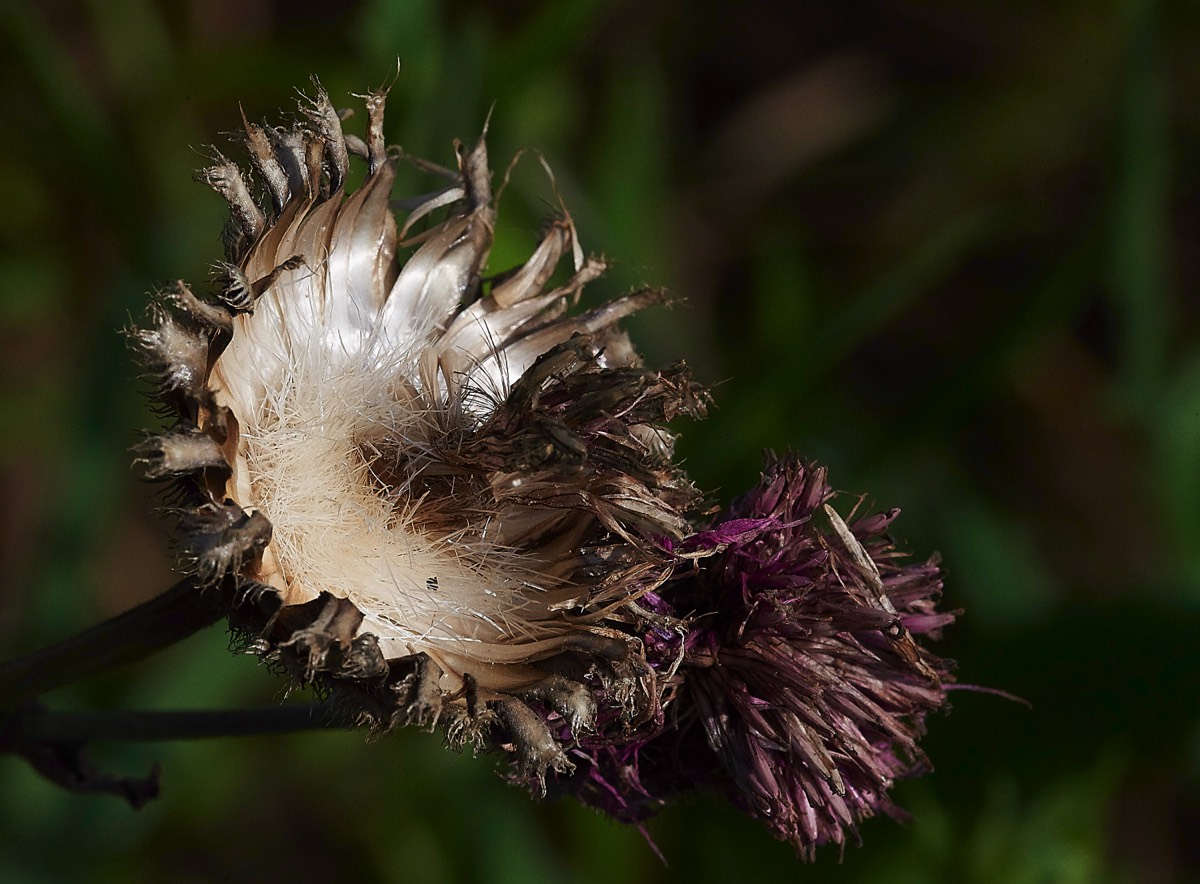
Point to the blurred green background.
(947, 249)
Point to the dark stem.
(174, 615)
(62, 726)
(55, 743)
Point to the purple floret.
(801, 691)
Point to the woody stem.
(162, 621)
(71, 726)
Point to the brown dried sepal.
(178, 453)
(226, 179)
(175, 355)
(529, 739)
(219, 540)
(321, 637)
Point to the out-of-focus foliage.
(947, 249)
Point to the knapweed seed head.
(447, 496)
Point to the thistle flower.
(446, 496)
(811, 687)
(802, 690)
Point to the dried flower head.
(448, 483)
(447, 496)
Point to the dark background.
(947, 249)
